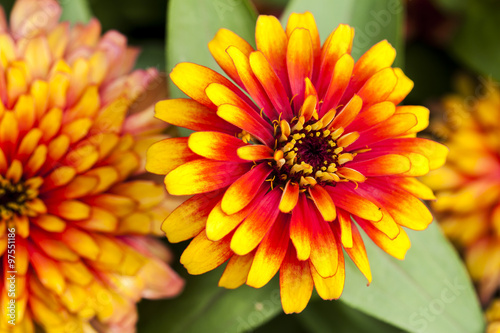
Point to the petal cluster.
(75, 219)
(301, 149)
(468, 186)
(493, 317)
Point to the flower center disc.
(14, 197)
(309, 152)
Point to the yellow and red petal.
(324, 250)
(331, 287)
(345, 197)
(372, 116)
(178, 227)
(358, 255)
(339, 83)
(378, 57)
(243, 190)
(345, 228)
(270, 253)
(347, 114)
(323, 202)
(236, 271)
(168, 154)
(192, 115)
(271, 83)
(203, 175)
(219, 224)
(272, 41)
(435, 152)
(296, 283)
(422, 114)
(392, 127)
(255, 152)
(300, 62)
(290, 197)
(256, 225)
(396, 247)
(384, 165)
(215, 146)
(413, 186)
(218, 46)
(402, 89)
(300, 229)
(250, 122)
(219, 94)
(251, 83)
(305, 21)
(407, 210)
(193, 79)
(378, 88)
(203, 255)
(336, 46)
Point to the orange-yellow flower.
(74, 225)
(493, 317)
(468, 186)
(277, 178)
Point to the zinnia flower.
(283, 177)
(75, 250)
(468, 186)
(493, 317)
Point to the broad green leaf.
(271, 3)
(204, 307)
(429, 291)
(476, 43)
(152, 55)
(76, 11)
(319, 318)
(191, 24)
(373, 20)
(452, 5)
(284, 323)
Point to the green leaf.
(452, 5)
(284, 323)
(191, 24)
(373, 21)
(476, 43)
(429, 291)
(204, 307)
(152, 55)
(319, 318)
(76, 11)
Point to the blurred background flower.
(468, 187)
(72, 204)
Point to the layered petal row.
(288, 164)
